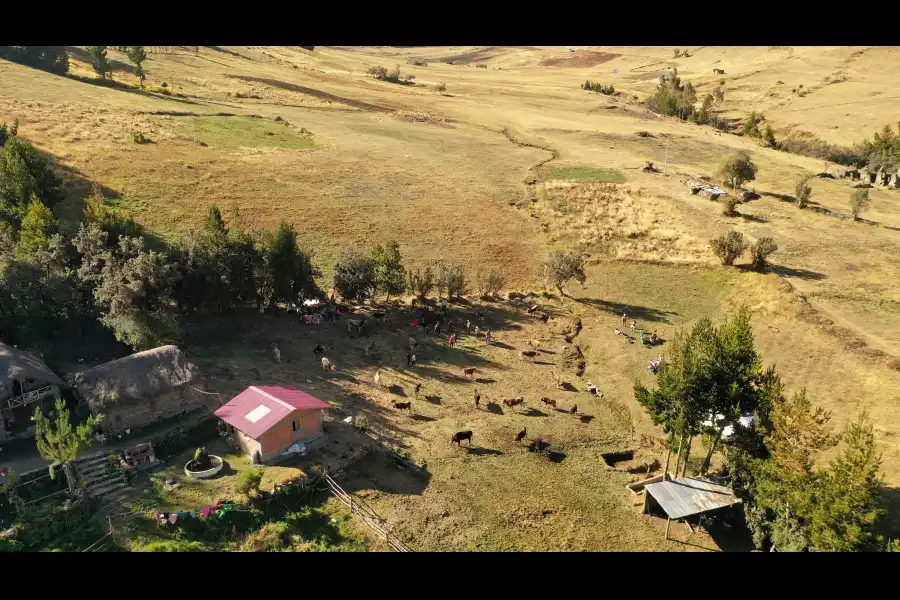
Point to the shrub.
(481, 66)
(761, 250)
(421, 283)
(441, 87)
(802, 191)
(751, 127)
(858, 202)
(672, 98)
(418, 62)
(138, 137)
(768, 137)
(677, 53)
(607, 90)
(175, 546)
(728, 247)
(491, 283)
(807, 144)
(25, 172)
(248, 483)
(361, 421)
(271, 537)
(354, 276)
(728, 205)
(738, 169)
(452, 279)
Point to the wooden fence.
(368, 516)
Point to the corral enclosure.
(506, 164)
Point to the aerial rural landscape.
(472, 299)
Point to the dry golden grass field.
(508, 163)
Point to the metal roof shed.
(682, 498)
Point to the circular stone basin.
(216, 467)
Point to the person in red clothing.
(453, 340)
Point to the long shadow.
(556, 457)
(494, 408)
(586, 418)
(796, 272)
(397, 390)
(542, 362)
(641, 313)
(569, 387)
(752, 218)
(503, 345)
(379, 471)
(484, 452)
(532, 412)
(485, 380)
(889, 526)
(422, 418)
(432, 399)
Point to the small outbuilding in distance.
(270, 421)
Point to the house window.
(293, 425)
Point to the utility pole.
(665, 166)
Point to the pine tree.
(847, 505)
(137, 56)
(215, 224)
(61, 443)
(100, 62)
(38, 226)
(23, 173)
(390, 277)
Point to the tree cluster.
(562, 267)
(882, 151)
(672, 98)
(607, 90)
(47, 58)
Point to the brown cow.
(521, 435)
(514, 402)
(469, 372)
(528, 354)
(403, 406)
(549, 401)
(477, 399)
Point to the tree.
(452, 279)
(847, 507)
(288, 274)
(25, 173)
(802, 191)
(215, 224)
(137, 56)
(354, 276)
(111, 220)
(768, 137)
(421, 283)
(491, 283)
(100, 62)
(719, 95)
(562, 267)
(390, 276)
(738, 169)
(859, 200)
(786, 485)
(729, 246)
(38, 226)
(61, 443)
(760, 252)
(677, 53)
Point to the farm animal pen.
(688, 496)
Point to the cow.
(360, 325)
(417, 389)
(549, 401)
(403, 406)
(536, 344)
(513, 402)
(469, 372)
(477, 399)
(459, 436)
(521, 435)
(528, 354)
(326, 365)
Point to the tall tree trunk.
(678, 455)
(70, 476)
(666, 471)
(687, 455)
(705, 467)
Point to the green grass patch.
(244, 132)
(598, 174)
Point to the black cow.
(459, 436)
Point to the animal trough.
(217, 463)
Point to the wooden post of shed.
(666, 165)
(668, 522)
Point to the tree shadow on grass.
(503, 345)
(432, 399)
(422, 418)
(485, 380)
(378, 471)
(751, 218)
(569, 387)
(586, 418)
(556, 457)
(542, 362)
(397, 390)
(640, 313)
(532, 412)
(792, 272)
(494, 408)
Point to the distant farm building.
(140, 389)
(25, 382)
(270, 421)
(718, 71)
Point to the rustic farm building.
(268, 420)
(142, 388)
(25, 382)
(686, 497)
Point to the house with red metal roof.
(269, 420)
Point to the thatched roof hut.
(141, 388)
(28, 370)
